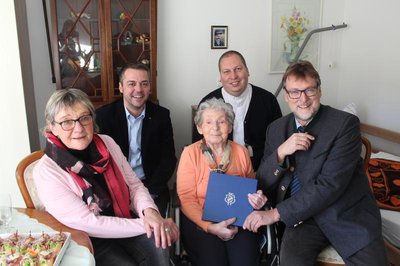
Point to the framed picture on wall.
(292, 20)
(219, 37)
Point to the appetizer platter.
(33, 249)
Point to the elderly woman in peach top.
(209, 243)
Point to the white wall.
(14, 129)
(369, 64)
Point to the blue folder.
(226, 197)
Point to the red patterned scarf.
(82, 172)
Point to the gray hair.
(66, 98)
(216, 104)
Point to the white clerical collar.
(240, 106)
(237, 100)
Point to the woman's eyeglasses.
(70, 124)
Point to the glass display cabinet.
(93, 39)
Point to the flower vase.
(294, 48)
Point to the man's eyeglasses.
(296, 94)
(70, 124)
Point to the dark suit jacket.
(221, 43)
(335, 190)
(263, 109)
(158, 151)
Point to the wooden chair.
(25, 180)
(329, 256)
(27, 186)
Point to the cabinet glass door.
(78, 42)
(130, 30)
(93, 39)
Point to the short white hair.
(216, 104)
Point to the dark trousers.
(133, 251)
(372, 255)
(301, 246)
(162, 200)
(205, 249)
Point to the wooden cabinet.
(93, 39)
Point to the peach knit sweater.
(193, 173)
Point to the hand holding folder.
(227, 197)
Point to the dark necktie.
(295, 184)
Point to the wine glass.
(5, 212)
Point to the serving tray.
(33, 247)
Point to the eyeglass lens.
(295, 94)
(70, 124)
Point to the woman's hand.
(224, 230)
(173, 229)
(165, 230)
(257, 200)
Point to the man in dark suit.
(317, 179)
(254, 107)
(143, 130)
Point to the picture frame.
(219, 37)
(292, 20)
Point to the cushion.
(330, 255)
(390, 218)
(31, 186)
(391, 226)
(351, 108)
(384, 178)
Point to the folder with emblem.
(226, 197)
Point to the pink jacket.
(62, 198)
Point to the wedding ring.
(166, 230)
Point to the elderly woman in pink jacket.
(86, 183)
